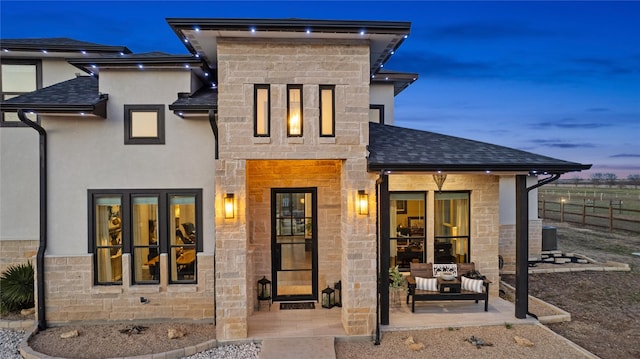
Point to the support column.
(522, 247)
(385, 251)
(231, 252)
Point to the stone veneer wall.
(322, 174)
(72, 297)
(243, 63)
(508, 243)
(484, 217)
(14, 252)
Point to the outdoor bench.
(434, 288)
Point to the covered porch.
(276, 323)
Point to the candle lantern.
(328, 298)
(264, 291)
(338, 288)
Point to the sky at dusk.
(560, 79)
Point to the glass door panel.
(294, 247)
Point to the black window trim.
(468, 236)
(333, 110)
(157, 140)
(38, 64)
(256, 88)
(289, 88)
(126, 196)
(379, 108)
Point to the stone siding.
(71, 296)
(14, 252)
(508, 243)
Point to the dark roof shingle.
(404, 149)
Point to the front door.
(294, 245)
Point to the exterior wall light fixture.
(363, 202)
(229, 206)
(439, 179)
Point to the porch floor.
(276, 323)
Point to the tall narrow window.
(294, 110)
(18, 77)
(451, 243)
(108, 240)
(407, 225)
(262, 113)
(327, 111)
(144, 124)
(146, 251)
(182, 239)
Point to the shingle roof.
(404, 149)
(75, 95)
(58, 44)
(205, 98)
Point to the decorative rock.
(570, 254)
(583, 261)
(523, 341)
(548, 259)
(562, 260)
(416, 347)
(174, 333)
(69, 334)
(29, 311)
(409, 341)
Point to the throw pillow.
(430, 284)
(473, 285)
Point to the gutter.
(42, 321)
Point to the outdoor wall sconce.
(363, 202)
(229, 206)
(264, 291)
(328, 298)
(439, 179)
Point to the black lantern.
(328, 298)
(264, 291)
(338, 289)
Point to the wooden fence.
(614, 216)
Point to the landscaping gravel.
(9, 341)
(243, 351)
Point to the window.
(261, 111)
(407, 210)
(145, 223)
(143, 124)
(327, 111)
(451, 244)
(18, 77)
(376, 113)
(294, 110)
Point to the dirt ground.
(604, 306)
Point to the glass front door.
(294, 247)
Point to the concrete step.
(296, 348)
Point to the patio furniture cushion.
(473, 285)
(427, 283)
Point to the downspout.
(382, 282)
(522, 242)
(42, 247)
(214, 128)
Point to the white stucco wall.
(382, 94)
(19, 173)
(508, 199)
(88, 153)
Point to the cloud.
(436, 65)
(608, 66)
(558, 143)
(625, 155)
(569, 123)
(484, 31)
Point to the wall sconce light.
(229, 206)
(363, 202)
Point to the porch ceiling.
(402, 149)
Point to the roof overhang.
(400, 80)
(200, 35)
(97, 109)
(93, 65)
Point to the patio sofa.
(423, 285)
